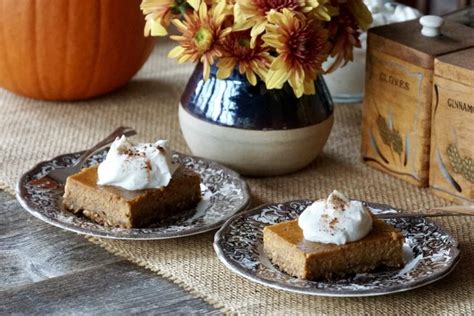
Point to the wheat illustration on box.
(391, 139)
(460, 165)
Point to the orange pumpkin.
(70, 49)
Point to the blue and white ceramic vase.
(253, 130)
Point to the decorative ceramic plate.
(430, 254)
(224, 193)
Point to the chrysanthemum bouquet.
(276, 41)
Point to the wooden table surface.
(44, 270)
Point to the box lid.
(463, 16)
(457, 66)
(405, 41)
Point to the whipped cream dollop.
(337, 220)
(137, 167)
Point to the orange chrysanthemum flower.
(345, 30)
(158, 13)
(202, 33)
(252, 14)
(252, 62)
(301, 46)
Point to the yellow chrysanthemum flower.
(237, 52)
(158, 13)
(252, 14)
(361, 13)
(324, 10)
(301, 48)
(202, 33)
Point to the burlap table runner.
(32, 131)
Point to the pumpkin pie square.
(286, 247)
(117, 207)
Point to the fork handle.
(454, 210)
(467, 210)
(127, 131)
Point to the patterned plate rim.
(276, 284)
(20, 195)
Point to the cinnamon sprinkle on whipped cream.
(137, 167)
(336, 220)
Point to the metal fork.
(58, 177)
(454, 210)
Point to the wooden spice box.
(452, 134)
(396, 118)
